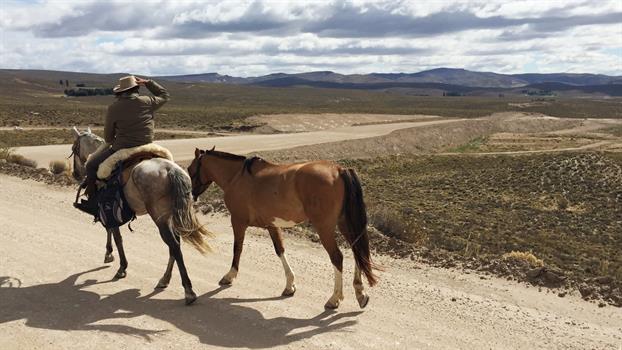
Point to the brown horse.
(261, 194)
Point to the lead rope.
(359, 237)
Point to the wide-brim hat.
(125, 83)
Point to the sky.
(254, 37)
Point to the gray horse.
(162, 189)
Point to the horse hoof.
(363, 300)
(289, 292)
(108, 258)
(120, 274)
(162, 285)
(224, 282)
(331, 305)
(190, 298)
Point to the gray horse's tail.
(184, 221)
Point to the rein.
(75, 152)
(196, 178)
(75, 148)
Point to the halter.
(75, 152)
(196, 178)
(75, 148)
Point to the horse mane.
(225, 155)
(248, 162)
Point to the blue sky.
(253, 37)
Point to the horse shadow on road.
(215, 321)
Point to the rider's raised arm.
(109, 127)
(161, 96)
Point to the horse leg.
(108, 258)
(327, 237)
(359, 291)
(118, 241)
(166, 278)
(174, 249)
(277, 240)
(239, 230)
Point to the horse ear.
(75, 131)
(197, 152)
(88, 129)
(213, 148)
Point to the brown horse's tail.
(355, 216)
(184, 222)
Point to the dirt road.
(183, 149)
(57, 294)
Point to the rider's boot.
(89, 205)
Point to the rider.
(129, 123)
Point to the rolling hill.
(450, 76)
(436, 82)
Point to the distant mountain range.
(450, 76)
(435, 82)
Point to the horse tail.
(184, 221)
(355, 215)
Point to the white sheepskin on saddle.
(108, 165)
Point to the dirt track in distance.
(183, 149)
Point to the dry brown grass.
(21, 160)
(59, 167)
(527, 257)
(391, 224)
(5, 152)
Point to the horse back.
(287, 191)
(130, 163)
(148, 185)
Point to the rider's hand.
(141, 81)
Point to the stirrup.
(88, 206)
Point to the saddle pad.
(114, 209)
(108, 165)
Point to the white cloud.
(259, 37)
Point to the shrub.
(5, 152)
(21, 160)
(528, 257)
(391, 224)
(59, 167)
(562, 202)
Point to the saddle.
(126, 166)
(113, 174)
(130, 157)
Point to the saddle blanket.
(107, 166)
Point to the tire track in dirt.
(44, 240)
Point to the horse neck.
(222, 170)
(89, 147)
(85, 149)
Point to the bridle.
(196, 178)
(75, 152)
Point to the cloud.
(337, 20)
(102, 16)
(351, 21)
(302, 45)
(253, 37)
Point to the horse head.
(85, 143)
(200, 178)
